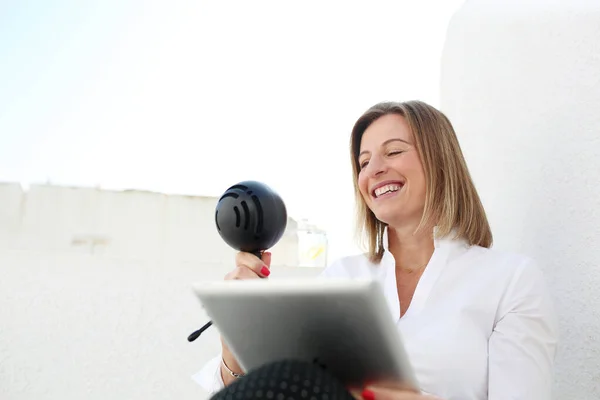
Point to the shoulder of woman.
(517, 279)
(349, 266)
(502, 258)
(515, 269)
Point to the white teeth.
(387, 188)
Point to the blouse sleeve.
(523, 343)
(209, 377)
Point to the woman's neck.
(411, 251)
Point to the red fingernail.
(368, 395)
(265, 271)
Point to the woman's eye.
(363, 164)
(395, 152)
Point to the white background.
(521, 82)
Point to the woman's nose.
(376, 166)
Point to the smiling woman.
(415, 145)
(477, 323)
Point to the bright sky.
(190, 97)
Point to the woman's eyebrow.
(384, 143)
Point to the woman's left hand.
(375, 392)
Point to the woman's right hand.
(247, 266)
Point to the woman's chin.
(391, 219)
(399, 221)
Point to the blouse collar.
(438, 242)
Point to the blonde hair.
(451, 202)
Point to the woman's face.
(391, 178)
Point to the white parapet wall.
(521, 83)
(95, 298)
(137, 225)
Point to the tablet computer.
(343, 326)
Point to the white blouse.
(481, 324)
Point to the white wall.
(124, 225)
(111, 320)
(521, 83)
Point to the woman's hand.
(247, 266)
(374, 392)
